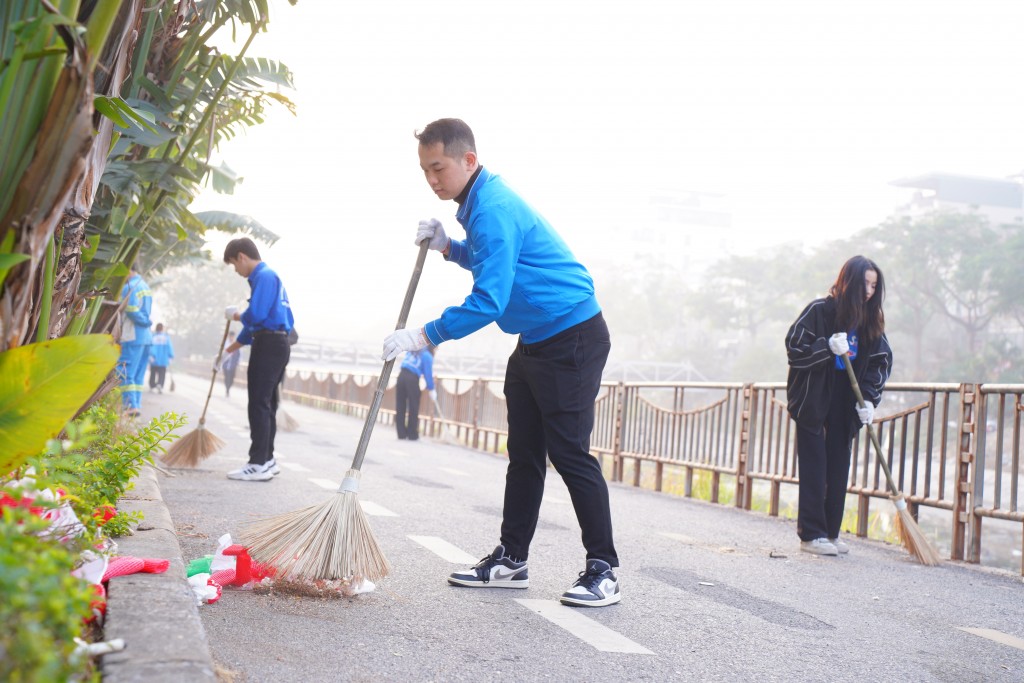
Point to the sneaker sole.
(811, 551)
(573, 602)
(251, 478)
(525, 583)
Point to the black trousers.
(229, 378)
(550, 389)
(823, 462)
(267, 361)
(407, 405)
(157, 374)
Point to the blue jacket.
(524, 276)
(162, 351)
(269, 308)
(422, 363)
(138, 307)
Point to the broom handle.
(871, 432)
(213, 374)
(385, 375)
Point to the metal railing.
(954, 449)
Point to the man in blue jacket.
(265, 325)
(527, 281)
(135, 340)
(407, 391)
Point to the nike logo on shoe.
(501, 576)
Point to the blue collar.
(462, 215)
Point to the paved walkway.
(709, 593)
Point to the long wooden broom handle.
(213, 375)
(871, 432)
(385, 375)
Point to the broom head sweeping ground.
(286, 422)
(332, 540)
(193, 448)
(912, 537)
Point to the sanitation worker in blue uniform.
(161, 353)
(135, 341)
(265, 326)
(527, 281)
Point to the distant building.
(1001, 201)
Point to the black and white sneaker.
(493, 571)
(272, 465)
(596, 587)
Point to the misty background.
(713, 164)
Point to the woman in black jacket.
(821, 401)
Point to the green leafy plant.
(42, 386)
(43, 607)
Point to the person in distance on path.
(265, 325)
(527, 281)
(407, 391)
(821, 401)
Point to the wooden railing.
(954, 449)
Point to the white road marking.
(597, 635)
(326, 484)
(556, 500)
(294, 467)
(375, 510)
(997, 636)
(444, 550)
(450, 470)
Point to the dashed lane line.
(444, 549)
(595, 634)
(997, 636)
(294, 467)
(375, 510)
(452, 470)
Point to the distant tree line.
(954, 302)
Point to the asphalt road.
(710, 593)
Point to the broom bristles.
(912, 536)
(286, 422)
(193, 448)
(332, 540)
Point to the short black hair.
(241, 245)
(456, 135)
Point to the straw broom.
(906, 526)
(200, 443)
(285, 421)
(332, 540)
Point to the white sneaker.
(596, 586)
(841, 547)
(274, 468)
(252, 473)
(819, 546)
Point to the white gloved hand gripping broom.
(332, 540)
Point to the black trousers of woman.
(823, 462)
(550, 389)
(407, 405)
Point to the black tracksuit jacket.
(812, 369)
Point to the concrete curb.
(155, 614)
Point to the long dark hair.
(852, 312)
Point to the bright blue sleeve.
(264, 296)
(170, 349)
(495, 249)
(140, 303)
(428, 369)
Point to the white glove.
(837, 342)
(403, 340)
(867, 413)
(229, 312)
(433, 395)
(433, 231)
